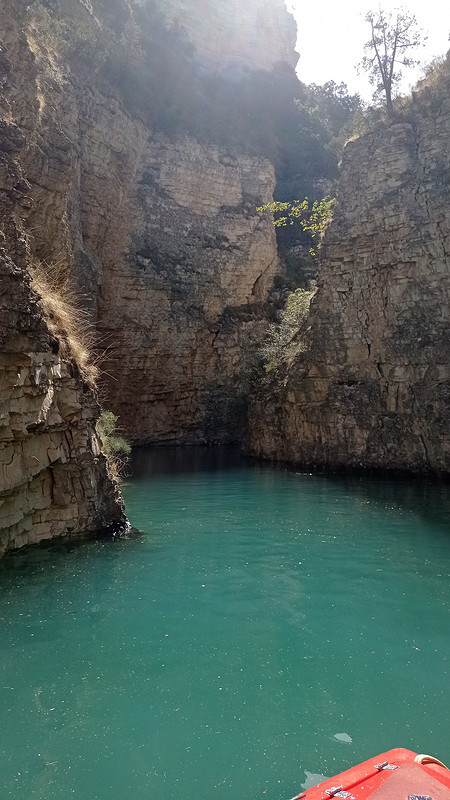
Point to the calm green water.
(264, 627)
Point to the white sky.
(331, 35)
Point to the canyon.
(154, 237)
(137, 201)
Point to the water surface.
(265, 627)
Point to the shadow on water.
(423, 496)
(176, 460)
(57, 557)
(420, 494)
(428, 499)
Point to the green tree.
(333, 108)
(393, 35)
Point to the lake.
(265, 629)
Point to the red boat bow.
(396, 775)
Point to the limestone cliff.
(159, 231)
(197, 269)
(373, 387)
(54, 480)
(119, 177)
(257, 34)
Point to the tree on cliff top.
(393, 35)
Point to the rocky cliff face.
(257, 34)
(156, 231)
(373, 387)
(188, 290)
(54, 480)
(159, 232)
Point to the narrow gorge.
(137, 142)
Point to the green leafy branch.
(312, 219)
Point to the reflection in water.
(264, 626)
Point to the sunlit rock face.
(157, 232)
(257, 34)
(181, 309)
(373, 388)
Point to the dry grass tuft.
(66, 318)
(436, 74)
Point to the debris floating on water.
(343, 737)
(311, 779)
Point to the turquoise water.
(265, 627)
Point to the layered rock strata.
(160, 235)
(54, 479)
(373, 387)
(188, 291)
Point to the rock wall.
(54, 480)
(257, 34)
(198, 257)
(373, 387)
(159, 233)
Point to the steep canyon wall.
(142, 200)
(158, 232)
(257, 34)
(155, 231)
(372, 388)
(54, 479)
